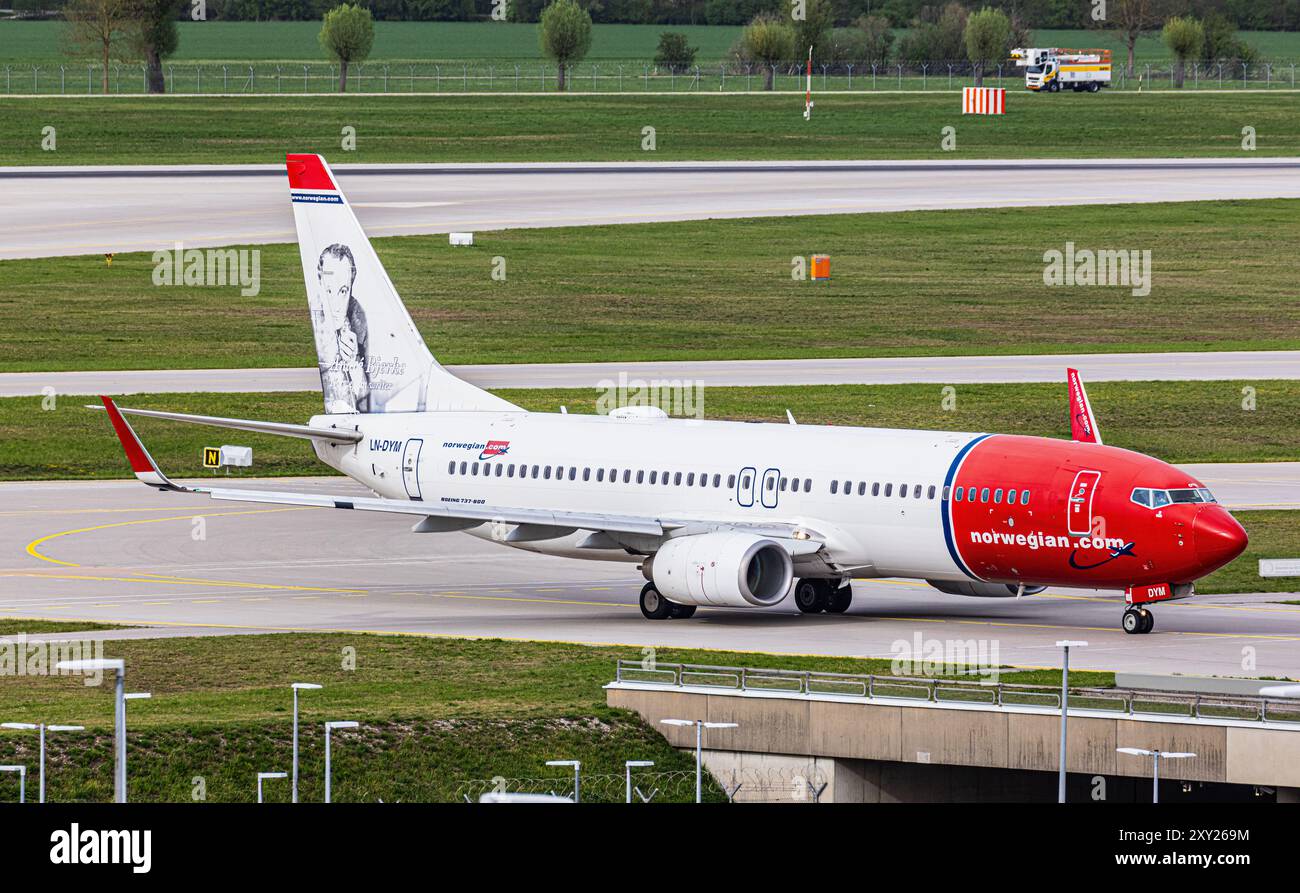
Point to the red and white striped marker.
(983, 101)
(807, 96)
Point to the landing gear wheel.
(1148, 621)
(653, 605)
(1132, 622)
(681, 612)
(810, 596)
(838, 600)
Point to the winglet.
(1083, 424)
(309, 172)
(141, 462)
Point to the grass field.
(436, 713)
(1177, 422)
(918, 283)
(28, 42)
(222, 130)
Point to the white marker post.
(807, 96)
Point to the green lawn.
(436, 713)
(27, 42)
(429, 128)
(905, 284)
(1177, 422)
(10, 626)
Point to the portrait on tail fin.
(342, 336)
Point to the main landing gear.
(815, 596)
(1138, 621)
(655, 607)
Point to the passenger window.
(807, 485)
(690, 479)
(783, 483)
(902, 490)
(717, 480)
(536, 470)
(835, 486)
(875, 489)
(931, 495)
(654, 477)
(677, 479)
(958, 492)
(889, 489)
(510, 470)
(473, 470)
(848, 487)
(916, 492)
(500, 470)
(627, 476)
(1024, 497)
(573, 472)
(462, 468)
(1011, 497)
(970, 494)
(862, 488)
(600, 475)
(451, 467)
(664, 478)
(997, 496)
(770, 484)
(586, 474)
(984, 495)
(744, 482)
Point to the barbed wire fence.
(629, 76)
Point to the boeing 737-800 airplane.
(725, 514)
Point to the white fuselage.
(684, 469)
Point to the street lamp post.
(43, 728)
(298, 686)
(628, 767)
(22, 780)
(329, 727)
(1065, 709)
(262, 776)
(1155, 764)
(577, 774)
(700, 726)
(118, 666)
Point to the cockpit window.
(1159, 498)
(1199, 494)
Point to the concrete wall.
(861, 749)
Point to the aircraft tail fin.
(1083, 424)
(370, 354)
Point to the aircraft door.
(411, 467)
(1079, 508)
(768, 494)
(745, 482)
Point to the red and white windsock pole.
(807, 96)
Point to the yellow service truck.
(1050, 70)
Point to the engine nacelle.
(982, 590)
(726, 568)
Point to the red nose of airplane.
(1217, 537)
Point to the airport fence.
(629, 76)
(792, 784)
(958, 690)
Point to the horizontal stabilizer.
(283, 429)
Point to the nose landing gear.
(1138, 621)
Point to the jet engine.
(982, 590)
(726, 568)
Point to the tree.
(814, 28)
(987, 33)
(674, 51)
(98, 29)
(1185, 36)
(347, 33)
(565, 34)
(1222, 43)
(1132, 19)
(878, 38)
(768, 40)
(155, 37)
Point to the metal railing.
(620, 76)
(954, 690)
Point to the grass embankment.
(689, 127)
(903, 284)
(436, 715)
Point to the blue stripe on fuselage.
(943, 507)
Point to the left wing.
(531, 523)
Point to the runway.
(1216, 366)
(120, 553)
(67, 211)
